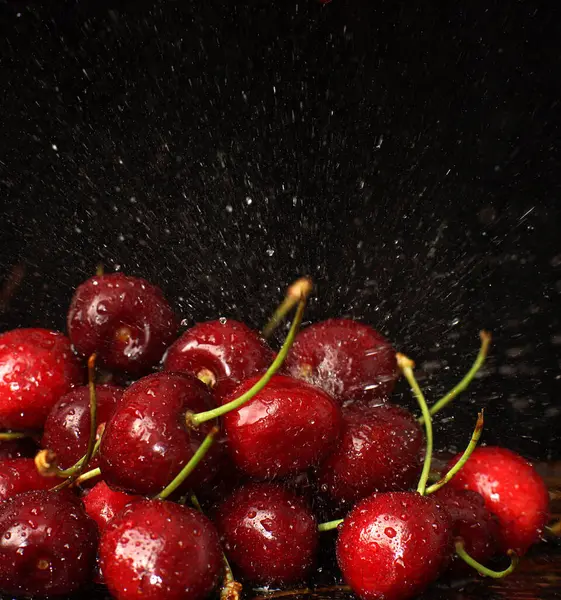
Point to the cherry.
(125, 320)
(380, 450)
(37, 367)
(67, 428)
(20, 475)
(285, 428)
(268, 533)
(18, 448)
(393, 545)
(348, 359)
(102, 503)
(512, 490)
(147, 442)
(47, 544)
(221, 353)
(155, 549)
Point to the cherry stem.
(406, 365)
(303, 592)
(6, 436)
(190, 466)
(100, 270)
(196, 420)
(554, 529)
(77, 480)
(301, 288)
(463, 459)
(330, 525)
(485, 571)
(485, 337)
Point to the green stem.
(485, 337)
(463, 459)
(77, 479)
(196, 420)
(7, 436)
(330, 525)
(190, 466)
(485, 571)
(301, 288)
(406, 365)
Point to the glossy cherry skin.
(349, 360)
(380, 450)
(155, 549)
(471, 522)
(125, 320)
(47, 545)
(512, 490)
(102, 503)
(19, 448)
(268, 533)
(287, 427)
(67, 428)
(146, 442)
(228, 349)
(393, 545)
(20, 475)
(37, 367)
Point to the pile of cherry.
(175, 468)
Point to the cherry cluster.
(178, 467)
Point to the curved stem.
(406, 365)
(485, 571)
(190, 466)
(7, 436)
(463, 459)
(196, 420)
(485, 337)
(330, 525)
(76, 480)
(301, 288)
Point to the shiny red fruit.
(268, 533)
(380, 450)
(18, 448)
(393, 545)
(67, 428)
(125, 320)
(155, 550)
(512, 490)
(37, 367)
(47, 545)
(349, 360)
(20, 475)
(223, 352)
(287, 427)
(102, 503)
(147, 442)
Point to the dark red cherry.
(268, 533)
(20, 475)
(37, 367)
(18, 448)
(380, 450)
(125, 320)
(155, 549)
(147, 442)
(67, 429)
(47, 545)
(471, 522)
(222, 353)
(512, 490)
(102, 503)
(285, 428)
(393, 545)
(349, 360)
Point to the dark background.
(404, 156)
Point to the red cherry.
(380, 450)
(18, 448)
(222, 353)
(67, 428)
(37, 367)
(147, 442)
(155, 549)
(348, 359)
(48, 545)
(393, 545)
(512, 490)
(20, 475)
(125, 320)
(472, 522)
(285, 428)
(102, 503)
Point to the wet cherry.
(20, 475)
(156, 549)
(269, 534)
(102, 503)
(37, 367)
(125, 320)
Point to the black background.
(404, 155)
